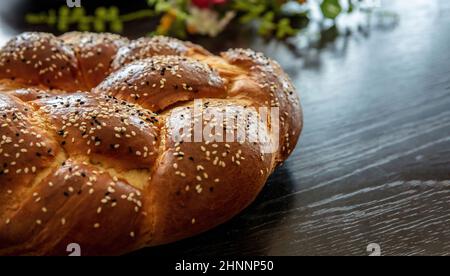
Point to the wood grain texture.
(373, 163)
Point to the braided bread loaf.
(87, 151)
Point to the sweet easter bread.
(88, 153)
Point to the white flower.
(207, 22)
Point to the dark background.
(373, 162)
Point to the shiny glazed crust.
(87, 153)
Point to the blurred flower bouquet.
(271, 18)
(211, 17)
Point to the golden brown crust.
(32, 93)
(26, 147)
(147, 47)
(189, 190)
(95, 53)
(103, 128)
(161, 81)
(26, 150)
(39, 58)
(268, 85)
(76, 203)
(101, 169)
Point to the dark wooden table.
(373, 163)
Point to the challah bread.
(89, 152)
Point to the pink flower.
(203, 4)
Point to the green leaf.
(351, 6)
(331, 8)
(267, 25)
(254, 13)
(178, 28)
(162, 7)
(285, 29)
